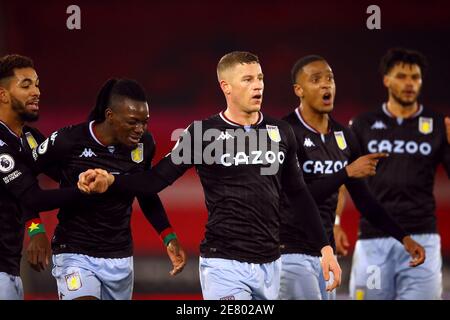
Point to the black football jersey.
(16, 176)
(242, 201)
(404, 181)
(320, 156)
(99, 225)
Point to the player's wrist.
(326, 251)
(349, 171)
(406, 239)
(34, 226)
(167, 235)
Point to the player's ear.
(108, 114)
(225, 86)
(4, 96)
(386, 80)
(298, 90)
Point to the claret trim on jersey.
(12, 132)
(91, 130)
(389, 114)
(224, 118)
(303, 121)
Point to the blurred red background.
(172, 48)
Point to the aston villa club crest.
(425, 125)
(273, 133)
(137, 155)
(340, 140)
(31, 140)
(73, 281)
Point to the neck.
(241, 117)
(318, 121)
(13, 121)
(103, 133)
(400, 111)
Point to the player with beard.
(92, 244)
(417, 140)
(20, 195)
(240, 257)
(329, 157)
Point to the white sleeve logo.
(43, 147)
(6, 163)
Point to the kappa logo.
(308, 143)
(6, 163)
(378, 125)
(2, 143)
(87, 153)
(225, 136)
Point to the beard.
(404, 103)
(21, 110)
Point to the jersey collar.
(308, 126)
(389, 114)
(235, 124)
(10, 131)
(91, 130)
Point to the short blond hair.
(233, 58)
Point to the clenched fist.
(94, 181)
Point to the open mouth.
(327, 98)
(257, 97)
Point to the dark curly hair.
(13, 61)
(395, 56)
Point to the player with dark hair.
(417, 141)
(251, 157)
(92, 245)
(329, 157)
(21, 198)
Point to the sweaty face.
(129, 121)
(315, 86)
(246, 86)
(404, 82)
(24, 93)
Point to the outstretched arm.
(363, 166)
(371, 209)
(340, 237)
(147, 182)
(154, 212)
